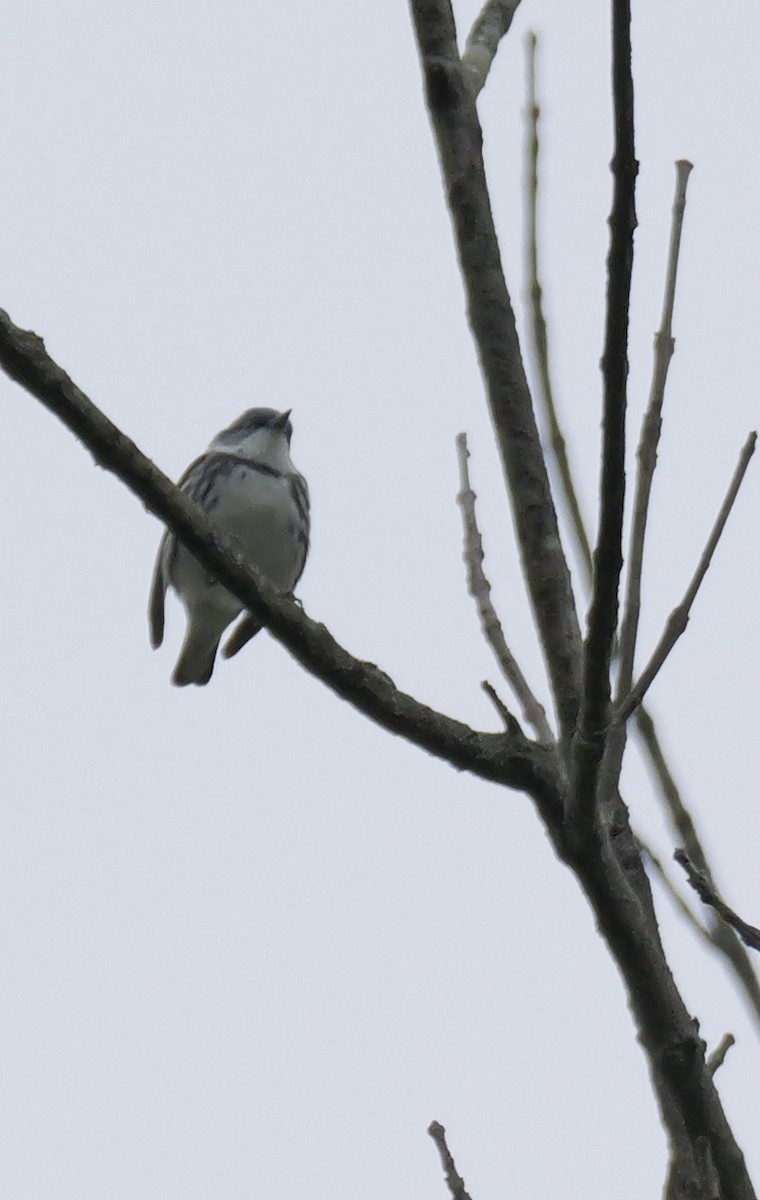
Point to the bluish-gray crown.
(253, 419)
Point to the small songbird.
(246, 480)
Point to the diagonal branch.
(491, 23)
(589, 742)
(459, 139)
(679, 618)
(480, 590)
(723, 938)
(509, 760)
(749, 934)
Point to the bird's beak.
(283, 419)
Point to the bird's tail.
(197, 656)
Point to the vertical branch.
(459, 139)
(719, 935)
(664, 347)
(545, 394)
(590, 739)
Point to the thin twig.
(540, 340)
(716, 1060)
(686, 912)
(679, 618)
(511, 723)
(590, 739)
(453, 1178)
(489, 27)
(459, 139)
(749, 934)
(512, 761)
(480, 590)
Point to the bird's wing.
(299, 492)
(160, 580)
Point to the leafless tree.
(572, 774)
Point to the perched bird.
(246, 480)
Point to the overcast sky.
(250, 944)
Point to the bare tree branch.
(492, 22)
(453, 1178)
(720, 936)
(679, 618)
(716, 1060)
(664, 346)
(589, 741)
(749, 934)
(647, 458)
(724, 939)
(540, 340)
(688, 1100)
(480, 590)
(690, 1172)
(459, 140)
(498, 757)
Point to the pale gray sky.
(252, 945)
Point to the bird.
(247, 483)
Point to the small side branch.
(679, 618)
(480, 590)
(716, 1060)
(749, 934)
(590, 739)
(453, 1178)
(511, 724)
(490, 25)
